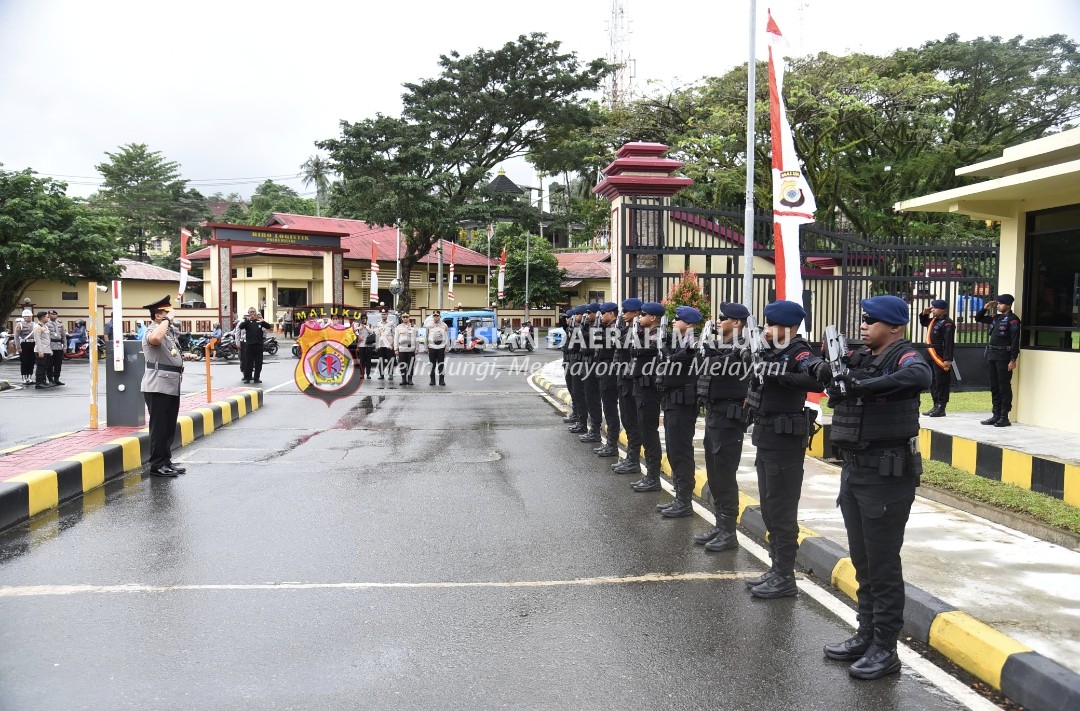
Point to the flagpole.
(748, 217)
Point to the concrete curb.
(30, 493)
(1027, 678)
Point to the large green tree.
(545, 274)
(268, 198)
(44, 234)
(427, 168)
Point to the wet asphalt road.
(411, 548)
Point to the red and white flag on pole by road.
(185, 263)
(374, 291)
(453, 255)
(502, 272)
(793, 202)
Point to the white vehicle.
(7, 346)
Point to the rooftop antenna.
(621, 81)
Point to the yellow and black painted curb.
(1026, 677)
(32, 492)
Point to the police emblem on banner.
(326, 370)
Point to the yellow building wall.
(1041, 396)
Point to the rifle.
(835, 352)
(755, 343)
(662, 333)
(706, 336)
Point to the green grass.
(974, 401)
(1047, 509)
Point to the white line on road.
(45, 590)
(287, 382)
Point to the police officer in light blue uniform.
(876, 427)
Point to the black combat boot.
(706, 536)
(931, 411)
(683, 506)
(880, 659)
(992, 420)
(649, 482)
(608, 450)
(569, 419)
(778, 585)
(758, 580)
(1003, 421)
(726, 539)
(855, 646)
(940, 411)
(590, 437)
(627, 466)
(578, 429)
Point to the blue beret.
(570, 312)
(632, 304)
(939, 304)
(592, 308)
(687, 314)
(731, 309)
(608, 307)
(891, 309)
(784, 313)
(653, 308)
(1006, 299)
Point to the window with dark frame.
(1051, 311)
(468, 278)
(69, 295)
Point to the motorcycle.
(83, 350)
(476, 345)
(270, 345)
(198, 348)
(5, 341)
(519, 339)
(228, 348)
(296, 350)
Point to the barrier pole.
(209, 389)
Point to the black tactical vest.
(774, 398)
(721, 378)
(857, 423)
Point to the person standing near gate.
(940, 339)
(42, 338)
(590, 383)
(405, 348)
(1002, 350)
(57, 339)
(722, 387)
(24, 342)
(623, 362)
(646, 355)
(384, 344)
(782, 424)
(604, 366)
(253, 329)
(876, 427)
(677, 382)
(161, 386)
(438, 340)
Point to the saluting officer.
(782, 425)
(722, 386)
(161, 386)
(438, 340)
(606, 334)
(1002, 350)
(940, 339)
(623, 361)
(405, 348)
(57, 340)
(677, 381)
(646, 395)
(590, 383)
(384, 343)
(876, 426)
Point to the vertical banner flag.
(117, 327)
(185, 263)
(374, 291)
(502, 272)
(453, 255)
(793, 203)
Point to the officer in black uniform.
(782, 424)
(876, 427)
(722, 387)
(590, 383)
(254, 329)
(624, 361)
(568, 326)
(161, 386)
(605, 337)
(940, 339)
(1002, 350)
(677, 381)
(576, 337)
(646, 395)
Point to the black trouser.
(406, 359)
(366, 355)
(437, 358)
(648, 418)
(386, 357)
(679, 423)
(1000, 386)
(164, 410)
(609, 400)
(780, 476)
(56, 362)
(590, 387)
(723, 453)
(939, 387)
(42, 362)
(577, 397)
(628, 419)
(27, 358)
(252, 364)
(875, 516)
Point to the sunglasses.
(870, 320)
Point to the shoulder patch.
(906, 357)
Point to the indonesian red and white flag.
(502, 272)
(185, 263)
(118, 326)
(374, 291)
(793, 201)
(453, 255)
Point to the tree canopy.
(427, 168)
(268, 198)
(44, 234)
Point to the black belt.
(871, 459)
(163, 366)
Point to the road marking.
(50, 590)
(287, 382)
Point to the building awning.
(569, 283)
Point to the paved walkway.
(1020, 585)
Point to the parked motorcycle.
(519, 339)
(6, 342)
(83, 350)
(228, 348)
(198, 348)
(476, 345)
(270, 345)
(296, 350)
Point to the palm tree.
(316, 169)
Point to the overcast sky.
(238, 90)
